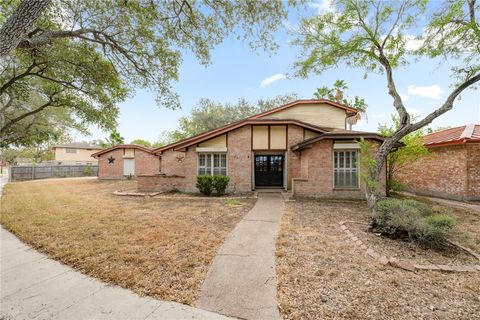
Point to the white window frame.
(344, 169)
(75, 150)
(211, 154)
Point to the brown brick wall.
(442, 173)
(111, 170)
(159, 182)
(145, 163)
(294, 170)
(239, 165)
(316, 164)
(318, 180)
(473, 168)
(239, 159)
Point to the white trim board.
(211, 149)
(337, 146)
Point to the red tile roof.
(452, 136)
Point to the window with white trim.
(70, 150)
(212, 164)
(345, 169)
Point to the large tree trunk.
(372, 193)
(20, 23)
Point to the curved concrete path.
(36, 287)
(241, 281)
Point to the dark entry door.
(269, 171)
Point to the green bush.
(205, 184)
(220, 184)
(88, 171)
(414, 220)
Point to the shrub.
(88, 171)
(205, 184)
(220, 183)
(415, 220)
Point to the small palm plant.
(335, 93)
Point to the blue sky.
(236, 71)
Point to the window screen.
(345, 169)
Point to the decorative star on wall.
(111, 159)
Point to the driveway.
(242, 281)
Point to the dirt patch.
(321, 275)
(153, 246)
(401, 250)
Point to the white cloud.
(404, 97)
(414, 112)
(412, 43)
(432, 92)
(322, 6)
(268, 81)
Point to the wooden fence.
(21, 173)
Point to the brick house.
(302, 146)
(452, 169)
(125, 160)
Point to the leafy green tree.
(85, 56)
(114, 139)
(141, 142)
(211, 114)
(336, 93)
(400, 158)
(372, 35)
(56, 89)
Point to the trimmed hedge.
(220, 184)
(206, 184)
(398, 218)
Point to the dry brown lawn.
(322, 276)
(154, 246)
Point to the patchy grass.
(157, 247)
(322, 276)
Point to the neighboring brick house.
(125, 160)
(451, 170)
(302, 146)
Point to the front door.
(269, 170)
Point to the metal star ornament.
(111, 159)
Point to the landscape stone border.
(408, 265)
(152, 194)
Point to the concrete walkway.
(36, 287)
(241, 281)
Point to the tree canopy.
(336, 93)
(86, 56)
(373, 35)
(210, 114)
